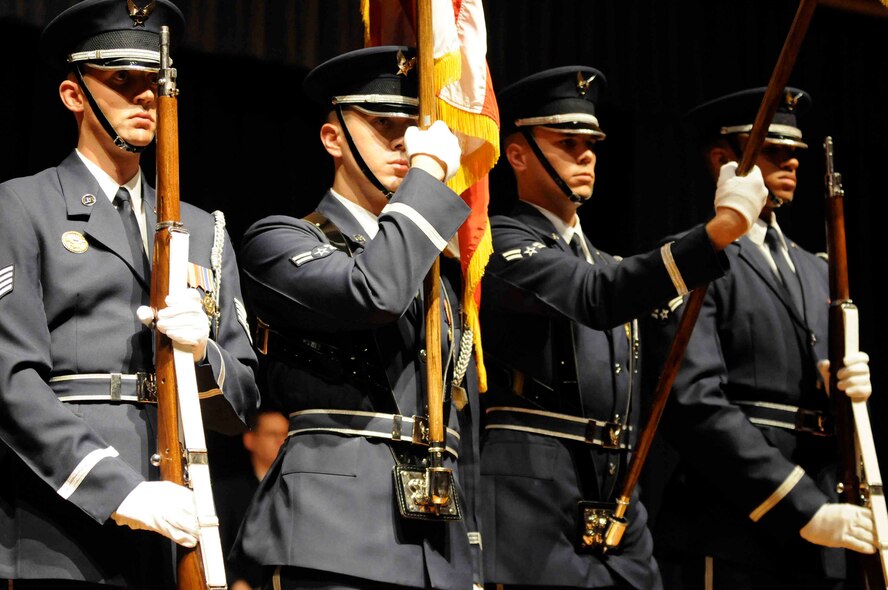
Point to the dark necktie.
(787, 276)
(576, 247)
(131, 226)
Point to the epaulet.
(822, 255)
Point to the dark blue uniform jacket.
(67, 466)
(744, 489)
(328, 502)
(543, 305)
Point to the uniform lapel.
(149, 203)
(752, 256)
(348, 226)
(529, 215)
(803, 277)
(84, 198)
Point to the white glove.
(842, 525)
(854, 377)
(438, 142)
(162, 507)
(744, 194)
(183, 320)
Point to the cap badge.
(792, 101)
(140, 14)
(404, 64)
(583, 83)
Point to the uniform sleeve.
(52, 441)
(298, 279)
(526, 276)
(226, 377)
(716, 439)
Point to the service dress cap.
(110, 34)
(376, 80)
(562, 99)
(734, 114)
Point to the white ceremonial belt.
(787, 417)
(112, 387)
(393, 427)
(599, 433)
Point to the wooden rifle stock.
(770, 101)
(859, 479)
(190, 574)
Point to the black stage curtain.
(249, 139)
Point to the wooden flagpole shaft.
(431, 288)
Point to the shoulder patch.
(319, 251)
(663, 313)
(241, 313)
(6, 276)
(527, 251)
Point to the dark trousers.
(298, 578)
(693, 573)
(522, 587)
(50, 585)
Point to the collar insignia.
(404, 64)
(140, 14)
(583, 83)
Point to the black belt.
(599, 433)
(112, 387)
(787, 417)
(331, 363)
(393, 427)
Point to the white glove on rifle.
(854, 377)
(438, 142)
(162, 507)
(183, 320)
(842, 525)
(744, 194)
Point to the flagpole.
(427, 115)
(438, 480)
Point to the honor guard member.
(336, 300)
(562, 347)
(77, 415)
(753, 503)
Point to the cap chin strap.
(773, 199)
(574, 197)
(357, 155)
(106, 125)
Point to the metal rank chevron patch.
(527, 251)
(663, 313)
(6, 281)
(315, 253)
